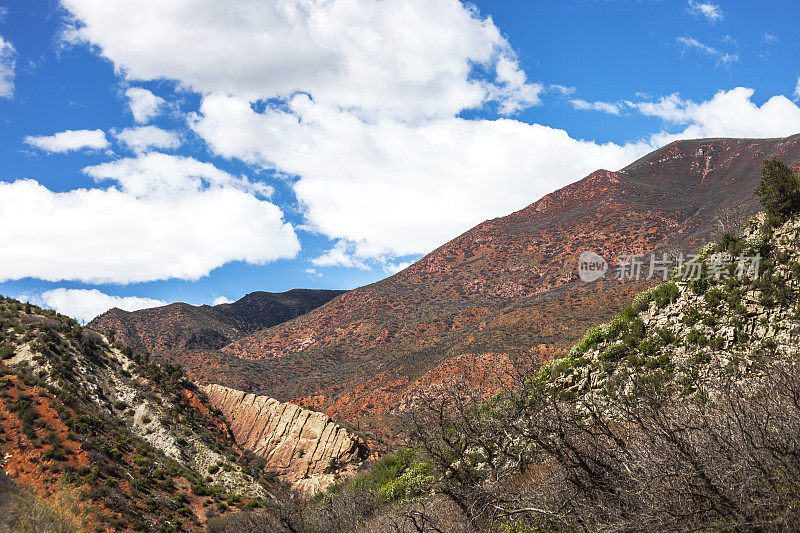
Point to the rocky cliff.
(740, 315)
(302, 447)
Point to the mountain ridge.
(503, 292)
(179, 325)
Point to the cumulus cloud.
(393, 188)
(354, 54)
(312, 273)
(221, 300)
(85, 304)
(69, 141)
(711, 12)
(728, 114)
(604, 107)
(7, 63)
(342, 254)
(797, 90)
(144, 138)
(143, 104)
(365, 116)
(163, 217)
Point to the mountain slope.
(135, 442)
(180, 326)
(681, 413)
(507, 288)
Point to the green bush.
(696, 337)
(410, 483)
(201, 489)
(613, 353)
(6, 352)
(666, 294)
(691, 316)
(779, 191)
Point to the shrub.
(779, 191)
(691, 316)
(201, 489)
(696, 337)
(666, 294)
(6, 352)
(613, 353)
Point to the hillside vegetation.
(96, 437)
(682, 413)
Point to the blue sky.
(202, 150)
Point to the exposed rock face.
(303, 447)
(697, 330)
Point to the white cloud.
(728, 114)
(357, 54)
(712, 12)
(394, 268)
(393, 188)
(604, 107)
(797, 90)
(312, 273)
(366, 120)
(144, 138)
(723, 58)
(691, 42)
(69, 140)
(342, 254)
(7, 64)
(563, 89)
(143, 104)
(769, 38)
(85, 304)
(221, 300)
(164, 217)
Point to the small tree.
(779, 190)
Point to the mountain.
(682, 413)
(96, 435)
(180, 326)
(507, 288)
(504, 294)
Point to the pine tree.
(779, 190)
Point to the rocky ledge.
(302, 447)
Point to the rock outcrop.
(688, 331)
(302, 447)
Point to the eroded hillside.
(131, 442)
(302, 447)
